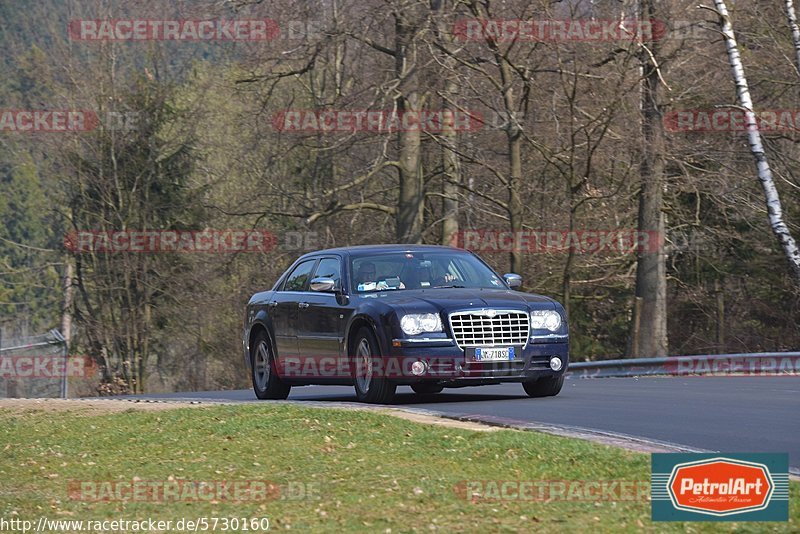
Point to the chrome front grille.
(486, 328)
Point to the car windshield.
(396, 271)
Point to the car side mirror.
(513, 280)
(323, 284)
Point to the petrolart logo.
(720, 487)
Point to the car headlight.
(545, 320)
(416, 323)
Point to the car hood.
(451, 299)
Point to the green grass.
(372, 472)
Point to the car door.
(285, 305)
(321, 321)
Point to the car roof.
(377, 249)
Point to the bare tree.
(649, 323)
(409, 99)
(772, 198)
(442, 50)
(791, 18)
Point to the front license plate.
(494, 355)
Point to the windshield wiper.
(449, 286)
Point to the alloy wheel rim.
(261, 366)
(364, 364)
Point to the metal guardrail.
(55, 339)
(755, 364)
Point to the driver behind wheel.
(367, 279)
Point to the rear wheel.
(370, 386)
(547, 386)
(427, 388)
(266, 383)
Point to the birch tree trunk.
(66, 307)
(774, 209)
(792, 18)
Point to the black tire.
(266, 383)
(369, 388)
(547, 386)
(427, 388)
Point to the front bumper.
(450, 365)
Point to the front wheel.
(370, 386)
(548, 386)
(266, 383)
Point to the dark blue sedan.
(376, 317)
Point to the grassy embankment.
(366, 471)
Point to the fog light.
(418, 368)
(555, 363)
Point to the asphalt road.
(727, 414)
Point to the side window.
(330, 268)
(298, 278)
